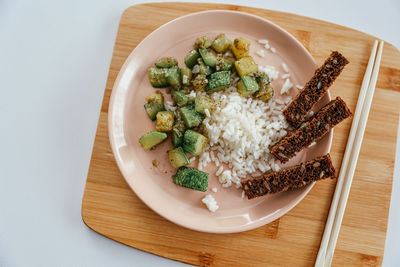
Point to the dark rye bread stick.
(287, 179)
(312, 130)
(315, 88)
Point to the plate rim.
(228, 229)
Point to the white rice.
(299, 87)
(220, 170)
(240, 131)
(285, 76)
(192, 159)
(263, 42)
(207, 112)
(214, 189)
(261, 53)
(192, 94)
(210, 202)
(286, 87)
(242, 194)
(169, 105)
(269, 70)
(285, 67)
(273, 50)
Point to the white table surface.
(54, 58)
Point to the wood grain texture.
(110, 208)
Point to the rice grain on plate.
(240, 130)
(210, 202)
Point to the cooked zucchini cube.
(221, 43)
(191, 58)
(156, 97)
(195, 143)
(240, 48)
(208, 57)
(191, 178)
(266, 92)
(177, 157)
(166, 62)
(190, 116)
(202, 42)
(199, 83)
(245, 66)
(177, 133)
(202, 102)
(165, 121)
(218, 81)
(180, 98)
(224, 63)
(152, 139)
(247, 86)
(173, 77)
(202, 68)
(152, 109)
(157, 77)
(186, 76)
(155, 104)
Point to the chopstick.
(339, 201)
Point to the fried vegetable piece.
(203, 102)
(157, 77)
(202, 42)
(186, 76)
(173, 77)
(199, 83)
(218, 81)
(224, 63)
(177, 133)
(241, 48)
(190, 116)
(177, 157)
(191, 178)
(155, 104)
(152, 139)
(180, 98)
(208, 57)
(246, 66)
(201, 68)
(165, 121)
(221, 43)
(247, 86)
(266, 92)
(195, 143)
(191, 58)
(166, 62)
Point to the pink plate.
(128, 121)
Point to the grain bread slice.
(288, 179)
(315, 88)
(312, 130)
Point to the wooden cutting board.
(110, 208)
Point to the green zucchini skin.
(218, 81)
(173, 77)
(190, 116)
(152, 139)
(177, 157)
(209, 58)
(195, 143)
(191, 58)
(191, 178)
(247, 86)
(166, 62)
(157, 77)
